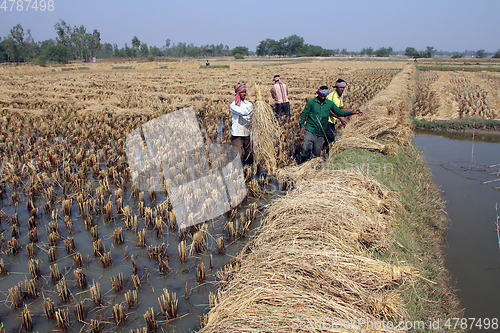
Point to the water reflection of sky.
(466, 171)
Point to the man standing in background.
(279, 92)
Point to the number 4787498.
(27, 5)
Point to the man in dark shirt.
(314, 123)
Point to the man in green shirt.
(314, 123)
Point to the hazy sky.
(448, 25)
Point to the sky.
(447, 25)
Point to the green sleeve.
(338, 112)
(305, 113)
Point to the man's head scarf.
(340, 84)
(323, 91)
(237, 89)
(278, 79)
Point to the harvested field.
(67, 198)
(450, 95)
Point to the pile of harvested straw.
(385, 118)
(266, 134)
(311, 262)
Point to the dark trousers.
(244, 146)
(330, 132)
(312, 144)
(280, 108)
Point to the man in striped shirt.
(279, 92)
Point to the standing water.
(467, 169)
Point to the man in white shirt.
(241, 111)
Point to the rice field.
(450, 95)
(83, 248)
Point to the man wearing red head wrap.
(314, 123)
(241, 112)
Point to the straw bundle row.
(310, 260)
(385, 117)
(360, 141)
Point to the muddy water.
(181, 279)
(467, 169)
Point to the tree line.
(76, 43)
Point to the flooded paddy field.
(83, 249)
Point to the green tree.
(497, 54)
(95, 42)
(15, 44)
(267, 47)
(144, 50)
(238, 56)
(242, 50)
(136, 42)
(106, 51)
(58, 53)
(457, 55)
(155, 51)
(384, 52)
(412, 52)
(481, 54)
(291, 45)
(428, 53)
(63, 33)
(367, 51)
(79, 42)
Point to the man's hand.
(302, 131)
(357, 111)
(343, 120)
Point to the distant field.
(450, 95)
(447, 88)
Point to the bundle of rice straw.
(300, 172)
(360, 141)
(311, 262)
(266, 133)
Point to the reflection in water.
(466, 167)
